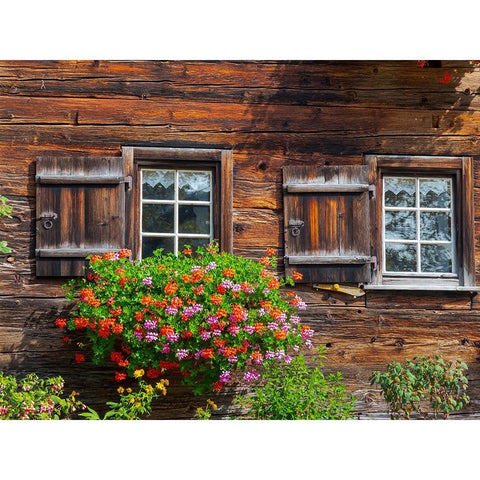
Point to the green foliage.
(426, 386)
(297, 392)
(5, 211)
(5, 208)
(132, 405)
(33, 398)
(204, 314)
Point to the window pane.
(158, 184)
(399, 192)
(157, 218)
(400, 225)
(436, 193)
(436, 258)
(193, 242)
(435, 226)
(194, 219)
(194, 186)
(149, 244)
(400, 257)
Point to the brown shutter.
(327, 223)
(80, 211)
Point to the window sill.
(422, 288)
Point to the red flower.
(274, 283)
(228, 272)
(198, 290)
(60, 322)
(217, 386)
(124, 253)
(208, 353)
(187, 251)
(152, 373)
(215, 299)
(280, 334)
(120, 376)
(171, 288)
(116, 357)
(297, 275)
(66, 339)
(79, 357)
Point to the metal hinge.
(128, 182)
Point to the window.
(418, 226)
(395, 222)
(176, 209)
(423, 210)
(147, 199)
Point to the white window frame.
(176, 202)
(417, 209)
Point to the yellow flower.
(120, 390)
(212, 404)
(129, 390)
(74, 393)
(199, 410)
(132, 400)
(139, 373)
(148, 389)
(137, 404)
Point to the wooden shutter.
(80, 211)
(327, 223)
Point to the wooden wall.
(270, 114)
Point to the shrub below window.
(297, 392)
(425, 386)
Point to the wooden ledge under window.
(422, 288)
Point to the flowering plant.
(132, 405)
(204, 314)
(34, 398)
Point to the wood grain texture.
(269, 114)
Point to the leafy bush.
(5, 211)
(297, 392)
(426, 386)
(205, 314)
(33, 398)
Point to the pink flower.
(225, 376)
(147, 281)
(151, 336)
(249, 328)
(171, 310)
(181, 353)
(251, 375)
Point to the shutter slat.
(331, 205)
(325, 188)
(327, 260)
(70, 252)
(79, 180)
(80, 211)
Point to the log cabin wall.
(270, 114)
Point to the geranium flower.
(79, 357)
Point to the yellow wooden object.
(335, 287)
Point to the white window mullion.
(417, 206)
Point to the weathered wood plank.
(181, 115)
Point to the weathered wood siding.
(270, 114)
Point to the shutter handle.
(295, 226)
(47, 220)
